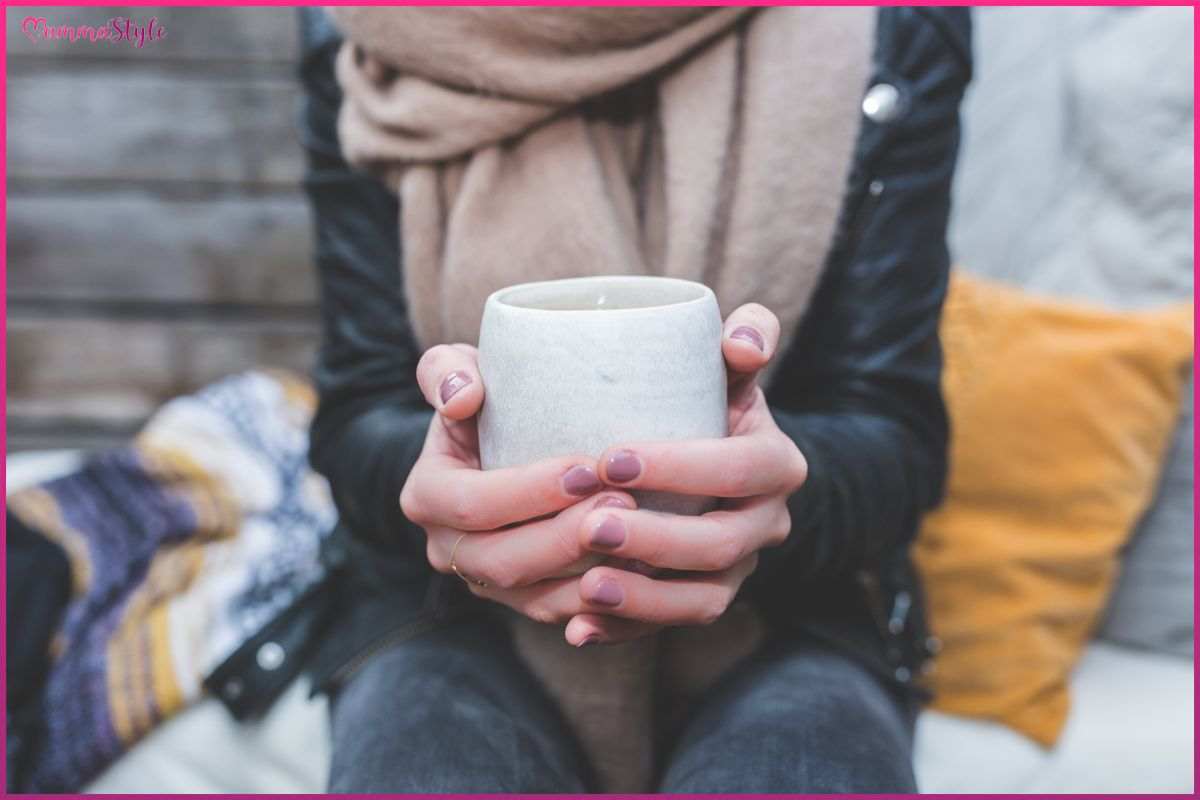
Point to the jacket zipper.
(874, 594)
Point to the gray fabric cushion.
(1152, 606)
(1011, 177)
(1076, 180)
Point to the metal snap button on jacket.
(233, 689)
(270, 656)
(881, 103)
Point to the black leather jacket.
(858, 391)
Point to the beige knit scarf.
(532, 143)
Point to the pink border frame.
(147, 3)
(285, 3)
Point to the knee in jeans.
(799, 726)
(414, 722)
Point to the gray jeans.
(456, 711)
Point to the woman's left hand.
(753, 470)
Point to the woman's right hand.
(514, 529)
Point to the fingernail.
(452, 384)
(591, 638)
(609, 533)
(580, 480)
(608, 593)
(623, 466)
(748, 334)
(610, 501)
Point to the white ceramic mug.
(582, 364)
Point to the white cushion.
(204, 749)
(1130, 729)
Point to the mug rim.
(500, 296)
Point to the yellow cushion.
(1060, 418)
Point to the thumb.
(748, 341)
(448, 375)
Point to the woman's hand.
(755, 469)
(507, 530)
(513, 532)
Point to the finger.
(761, 462)
(750, 336)
(448, 375)
(694, 599)
(442, 492)
(708, 543)
(587, 629)
(551, 602)
(524, 554)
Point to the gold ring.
(459, 573)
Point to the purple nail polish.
(623, 466)
(452, 384)
(612, 502)
(609, 533)
(748, 334)
(608, 593)
(580, 481)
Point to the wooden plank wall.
(158, 238)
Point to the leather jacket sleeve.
(371, 418)
(859, 391)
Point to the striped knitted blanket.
(182, 546)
